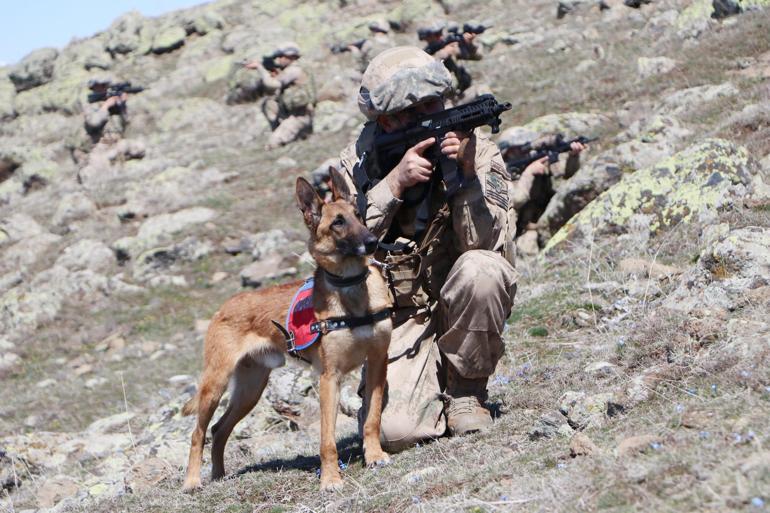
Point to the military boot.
(466, 412)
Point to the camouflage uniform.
(289, 109)
(378, 42)
(105, 142)
(530, 194)
(463, 290)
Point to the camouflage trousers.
(100, 162)
(463, 329)
(286, 129)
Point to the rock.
(694, 19)
(218, 277)
(160, 229)
(9, 363)
(146, 475)
(725, 272)
(55, 489)
(648, 67)
(694, 98)
(635, 444)
(570, 124)
(420, 475)
(155, 261)
(87, 254)
(269, 268)
(581, 445)
(549, 425)
(599, 368)
(691, 185)
(34, 70)
(113, 424)
(644, 268)
(584, 411)
(17, 227)
(73, 207)
(527, 244)
(7, 109)
(168, 39)
(288, 389)
(124, 35)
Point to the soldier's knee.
(479, 273)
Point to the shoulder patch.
(496, 189)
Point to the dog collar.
(341, 282)
(340, 323)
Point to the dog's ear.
(340, 189)
(309, 202)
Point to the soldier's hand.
(451, 146)
(576, 147)
(412, 169)
(110, 102)
(252, 65)
(538, 167)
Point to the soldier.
(378, 41)
(457, 46)
(533, 187)
(451, 270)
(105, 123)
(290, 108)
(320, 177)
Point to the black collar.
(341, 282)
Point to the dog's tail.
(190, 406)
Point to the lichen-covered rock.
(692, 183)
(725, 8)
(693, 98)
(73, 207)
(123, 36)
(203, 22)
(34, 70)
(65, 94)
(7, 94)
(160, 230)
(726, 271)
(650, 66)
(571, 124)
(168, 39)
(87, 254)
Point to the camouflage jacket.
(480, 211)
(101, 126)
(293, 87)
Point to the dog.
(244, 344)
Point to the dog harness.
(302, 329)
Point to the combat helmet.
(287, 49)
(401, 77)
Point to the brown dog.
(242, 345)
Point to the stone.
(7, 109)
(87, 254)
(549, 425)
(647, 67)
(269, 268)
(584, 411)
(581, 445)
(168, 39)
(55, 489)
(693, 98)
(124, 35)
(161, 229)
(113, 424)
(288, 389)
(73, 207)
(644, 268)
(599, 368)
(725, 272)
(686, 187)
(9, 363)
(636, 444)
(34, 70)
(147, 474)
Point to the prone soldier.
(448, 258)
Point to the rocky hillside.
(637, 372)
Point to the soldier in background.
(533, 187)
(378, 41)
(105, 124)
(289, 109)
(450, 49)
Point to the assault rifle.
(484, 110)
(114, 90)
(452, 37)
(551, 151)
(345, 47)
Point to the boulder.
(686, 187)
(726, 272)
(571, 124)
(87, 254)
(7, 94)
(651, 66)
(155, 261)
(584, 411)
(168, 39)
(34, 70)
(161, 229)
(123, 36)
(73, 207)
(694, 98)
(66, 94)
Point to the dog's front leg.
(330, 399)
(376, 374)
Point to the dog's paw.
(331, 484)
(377, 460)
(191, 485)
